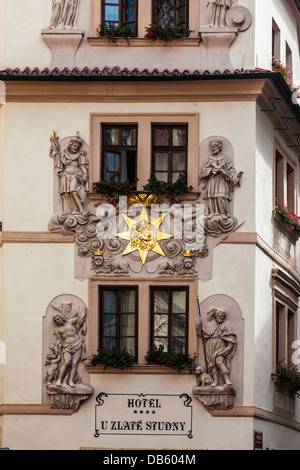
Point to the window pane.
(129, 136)
(179, 137)
(112, 13)
(162, 176)
(161, 325)
(109, 343)
(111, 163)
(181, 16)
(167, 12)
(161, 301)
(175, 176)
(128, 324)
(161, 161)
(178, 325)
(161, 137)
(110, 325)
(111, 136)
(179, 161)
(129, 344)
(178, 344)
(161, 342)
(110, 301)
(130, 14)
(179, 302)
(128, 301)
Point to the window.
(275, 40)
(170, 12)
(169, 152)
(288, 57)
(120, 12)
(169, 317)
(119, 151)
(285, 180)
(118, 318)
(286, 294)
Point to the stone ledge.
(143, 42)
(136, 369)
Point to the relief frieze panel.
(143, 235)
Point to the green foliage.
(113, 32)
(113, 188)
(113, 357)
(176, 360)
(290, 375)
(167, 33)
(171, 191)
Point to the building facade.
(149, 256)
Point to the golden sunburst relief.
(143, 235)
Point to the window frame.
(117, 148)
(170, 149)
(122, 9)
(143, 335)
(282, 185)
(285, 293)
(118, 313)
(170, 289)
(155, 16)
(143, 122)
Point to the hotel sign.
(143, 414)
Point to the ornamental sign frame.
(143, 414)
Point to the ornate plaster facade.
(212, 272)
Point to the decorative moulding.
(63, 45)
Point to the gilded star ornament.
(143, 235)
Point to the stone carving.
(64, 14)
(102, 264)
(219, 344)
(219, 178)
(216, 13)
(183, 267)
(63, 381)
(71, 166)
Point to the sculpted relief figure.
(71, 167)
(219, 178)
(216, 13)
(219, 345)
(62, 378)
(64, 14)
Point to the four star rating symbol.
(143, 235)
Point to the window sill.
(279, 223)
(136, 369)
(190, 196)
(284, 398)
(143, 42)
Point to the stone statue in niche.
(219, 344)
(63, 382)
(72, 170)
(64, 14)
(216, 13)
(219, 178)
